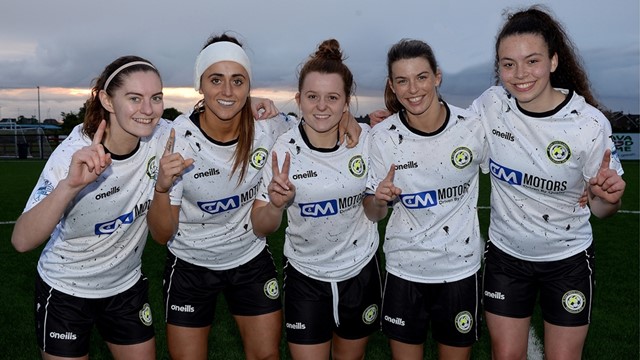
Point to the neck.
(322, 140)
(119, 144)
(429, 121)
(220, 130)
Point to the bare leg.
(446, 352)
(509, 336)
(346, 349)
(187, 342)
(564, 342)
(310, 352)
(261, 335)
(142, 351)
(404, 351)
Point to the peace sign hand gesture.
(281, 190)
(89, 162)
(172, 165)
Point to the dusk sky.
(62, 45)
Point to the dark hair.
(242, 154)
(570, 73)
(403, 50)
(328, 59)
(95, 112)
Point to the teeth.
(143, 121)
(225, 103)
(523, 86)
(415, 99)
(321, 116)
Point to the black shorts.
(309, 306)
(190, 291)
(452, 309)
(64, 322)
(566, 286)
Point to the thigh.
(564, 342)
(509, 336)
(455, 312)
(190, 293)
(253, 287)
(125, 318)
(261, 335)
(308, 309)
(141, 351)
(63, 322)
(404, 315)
(566, 290)
(359, 301)
(509, 284)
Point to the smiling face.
(135, 109)
(322, 101)
(415, 82)
(225, 86)
(525, 69)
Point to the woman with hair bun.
(332, 279)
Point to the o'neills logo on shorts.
(186, 308)
(66, 336)
(494, 295)
(396, 321)
(296, 326)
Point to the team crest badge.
(464, 322)
(573, 301)
(271, 289)
(145, 315)
(461, 157)
(357, 166)
(152, 168)
(370, 314)
(259, 158)
(558, 152)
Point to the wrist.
(155, 188)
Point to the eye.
(311, 97)
(334, 97)
(157, 98)
(238, 82)
(401, 81)
(216, 81)
(135, 99)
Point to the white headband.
(113, 74)
(216, 52)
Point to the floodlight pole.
(39, 120)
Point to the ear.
(554, 62)
(346, 106)
(298, 99)
(105, 100)
(438, 77)
(391, 85)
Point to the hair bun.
(329, 49)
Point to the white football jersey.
(539, 165)
(433, 233)
(95, 250)
(215, 229)
(328, 236)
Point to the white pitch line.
(535, 349)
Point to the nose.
(226, 89)
(321, 104)
(413, 87)
(521, 72)
(146, 107)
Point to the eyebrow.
(135, 93)
(222, 75)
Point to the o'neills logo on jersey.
(494, 295)
(210, 172)
(308, 174)
(296, 326)
(66, 336)
(410, 165)
(518, 178)
(397, 321)
(103, 195)
(505, 135)
(185, 308)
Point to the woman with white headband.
(90, 202)
(212, 249)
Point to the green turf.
(613, 334)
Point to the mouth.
(226, 102)
(524, 86)
(321, 116)
(415, 100)
(144, 121)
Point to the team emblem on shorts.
(573, 301)
(464, 322)
(357, 166)
(558, 152)
(461, 157)
(145, 315)
(259, 158)
(370, 314)
(152, 168)
(271, 289)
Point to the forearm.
(375, 209)
(163, 218)
(602, 208)
(35, 226)
(266, 218)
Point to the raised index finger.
(285, 165)
(274, 164)
(97, 137)
(392, 173)
(606, 159)
(168, 148)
